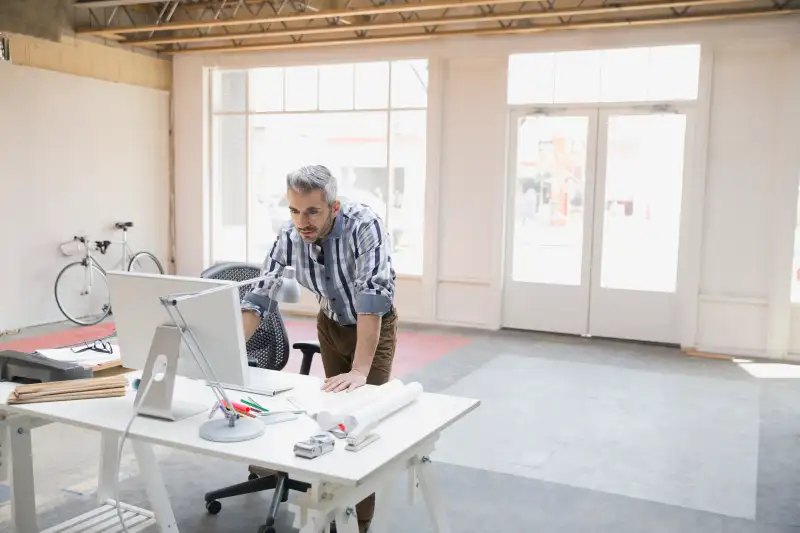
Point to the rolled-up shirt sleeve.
(262, 295)
(375, 282)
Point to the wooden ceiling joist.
(442, 21)
(486, 32)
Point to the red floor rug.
(414, 350)
(67, 337)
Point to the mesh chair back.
(269, 345)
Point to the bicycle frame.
(88, 272)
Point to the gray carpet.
(573, 435)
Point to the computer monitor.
(215, 321)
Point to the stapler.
(22, 367)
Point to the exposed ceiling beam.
(493, 31)
(427, 5)
(466, 19)
(94, 4)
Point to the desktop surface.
(275, 449)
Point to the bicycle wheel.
(82, 293)
(145, 262)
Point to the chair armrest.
(308, 348)
(252, 361)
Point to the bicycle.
(83, 283)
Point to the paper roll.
(342, 412)
(365, 418)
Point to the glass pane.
(278, 145)
(674, 73)
(531, 78)
(336, 87)
(228, 90)
(622, 75)
(301, 88)
(407, 198)
(355, 148)
(372, 85)
(352, 145)
(641, 220)
(577, 77)
(228, 189)
(410, 83)
(266, 89)
(550, 199)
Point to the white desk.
(338, 480)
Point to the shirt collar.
(338, 227)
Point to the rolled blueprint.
(366, 417)
(342, 412)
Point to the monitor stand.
(160, 402)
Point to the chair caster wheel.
(213, 507)
(252, 477)
(266, 529)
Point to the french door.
(594, 222)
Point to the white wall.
(737, 300)
(76, 155)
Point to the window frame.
(389, 109)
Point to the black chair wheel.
(213, 506)
(252, 477)
(266, 529)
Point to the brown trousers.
(337, 346)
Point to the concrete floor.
(572, 435)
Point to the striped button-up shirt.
(350, 271)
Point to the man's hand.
(344, 382)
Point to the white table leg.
(383, 500)
(430, 493)
(109, 447)
(5, 453)
(154, 484)
(23, 493)
(315, 525)
(346, 521)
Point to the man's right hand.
(250, 323)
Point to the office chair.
(267, 348)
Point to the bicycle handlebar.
(101, 246)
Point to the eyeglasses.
(97, 346)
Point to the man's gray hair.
(313, 177)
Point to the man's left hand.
(344, 382)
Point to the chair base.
(278, 481)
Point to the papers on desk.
(86, 358)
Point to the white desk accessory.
(370, 415)
(314, 446)
(342, 412)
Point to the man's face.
(311, 214)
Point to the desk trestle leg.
(154, 484)
(109, 446)
(23, 498)
(430, 493)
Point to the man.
(341, 254)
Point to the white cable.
(155, 376)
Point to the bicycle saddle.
(123, 225)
